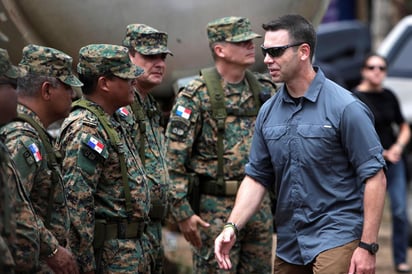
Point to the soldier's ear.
(103, 83)
(45, 90)
(219, 49)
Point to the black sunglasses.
(278, 51)
(381, 68)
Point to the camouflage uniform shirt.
(192, 137)
(92, 175)
(29, 155)
(7, 217)
(155, 165)
(192, 145)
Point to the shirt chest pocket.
(318, 143)
(277, 142)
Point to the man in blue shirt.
(315, 145)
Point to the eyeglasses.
(278, 51)
(381, 68)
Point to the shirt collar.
(314, 89)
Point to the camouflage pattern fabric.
(146, 40)
(230, 29)
(7, 69)
(92, 175)
(26, 248)
(100, 59)
(51, 62)
(7, 216)
(191, 139)
(155, 166)
(28, 152)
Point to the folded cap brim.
(70, 80)
(243, 37)
(153, 50)
(129, 72)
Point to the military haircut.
(30, 84)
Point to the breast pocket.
(277, 141)
(319, 143)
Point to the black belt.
(212, 187)
(120, 230)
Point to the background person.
(108, 196)
(207, 151)
(148, 50)
(44, 96)
(315, 144)
(8, 182)
(386, 110)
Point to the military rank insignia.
(123, 112)
(183, 112)
(95, 145)
(35, 152)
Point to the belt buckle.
(231, 187)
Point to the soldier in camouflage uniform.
(148, 50)
(194, 149)
(8, 187)
(44, 96)
(108, 195)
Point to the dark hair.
(299, 29)
(90, 82)
(373, 54)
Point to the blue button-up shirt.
(317, 153)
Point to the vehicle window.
(400, 57)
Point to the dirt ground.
(179, 254)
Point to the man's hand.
(362, 262)
(189, 229)
(223, 244)
(63, 262)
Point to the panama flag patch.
(123, 112)
(183, 112)
(95, 144)
(36, 152)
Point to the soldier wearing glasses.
(316, 144)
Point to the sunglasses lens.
(273, 52)
(381, 68)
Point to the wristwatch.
(372, 248)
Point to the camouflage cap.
(146, 40)
(7, 69)
(46, 61)
(100, 59)
(230, 29)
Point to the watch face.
(374, 248)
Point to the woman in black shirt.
(394, 134)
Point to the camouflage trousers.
(126, 256)
(154, 232)
(252, 252)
